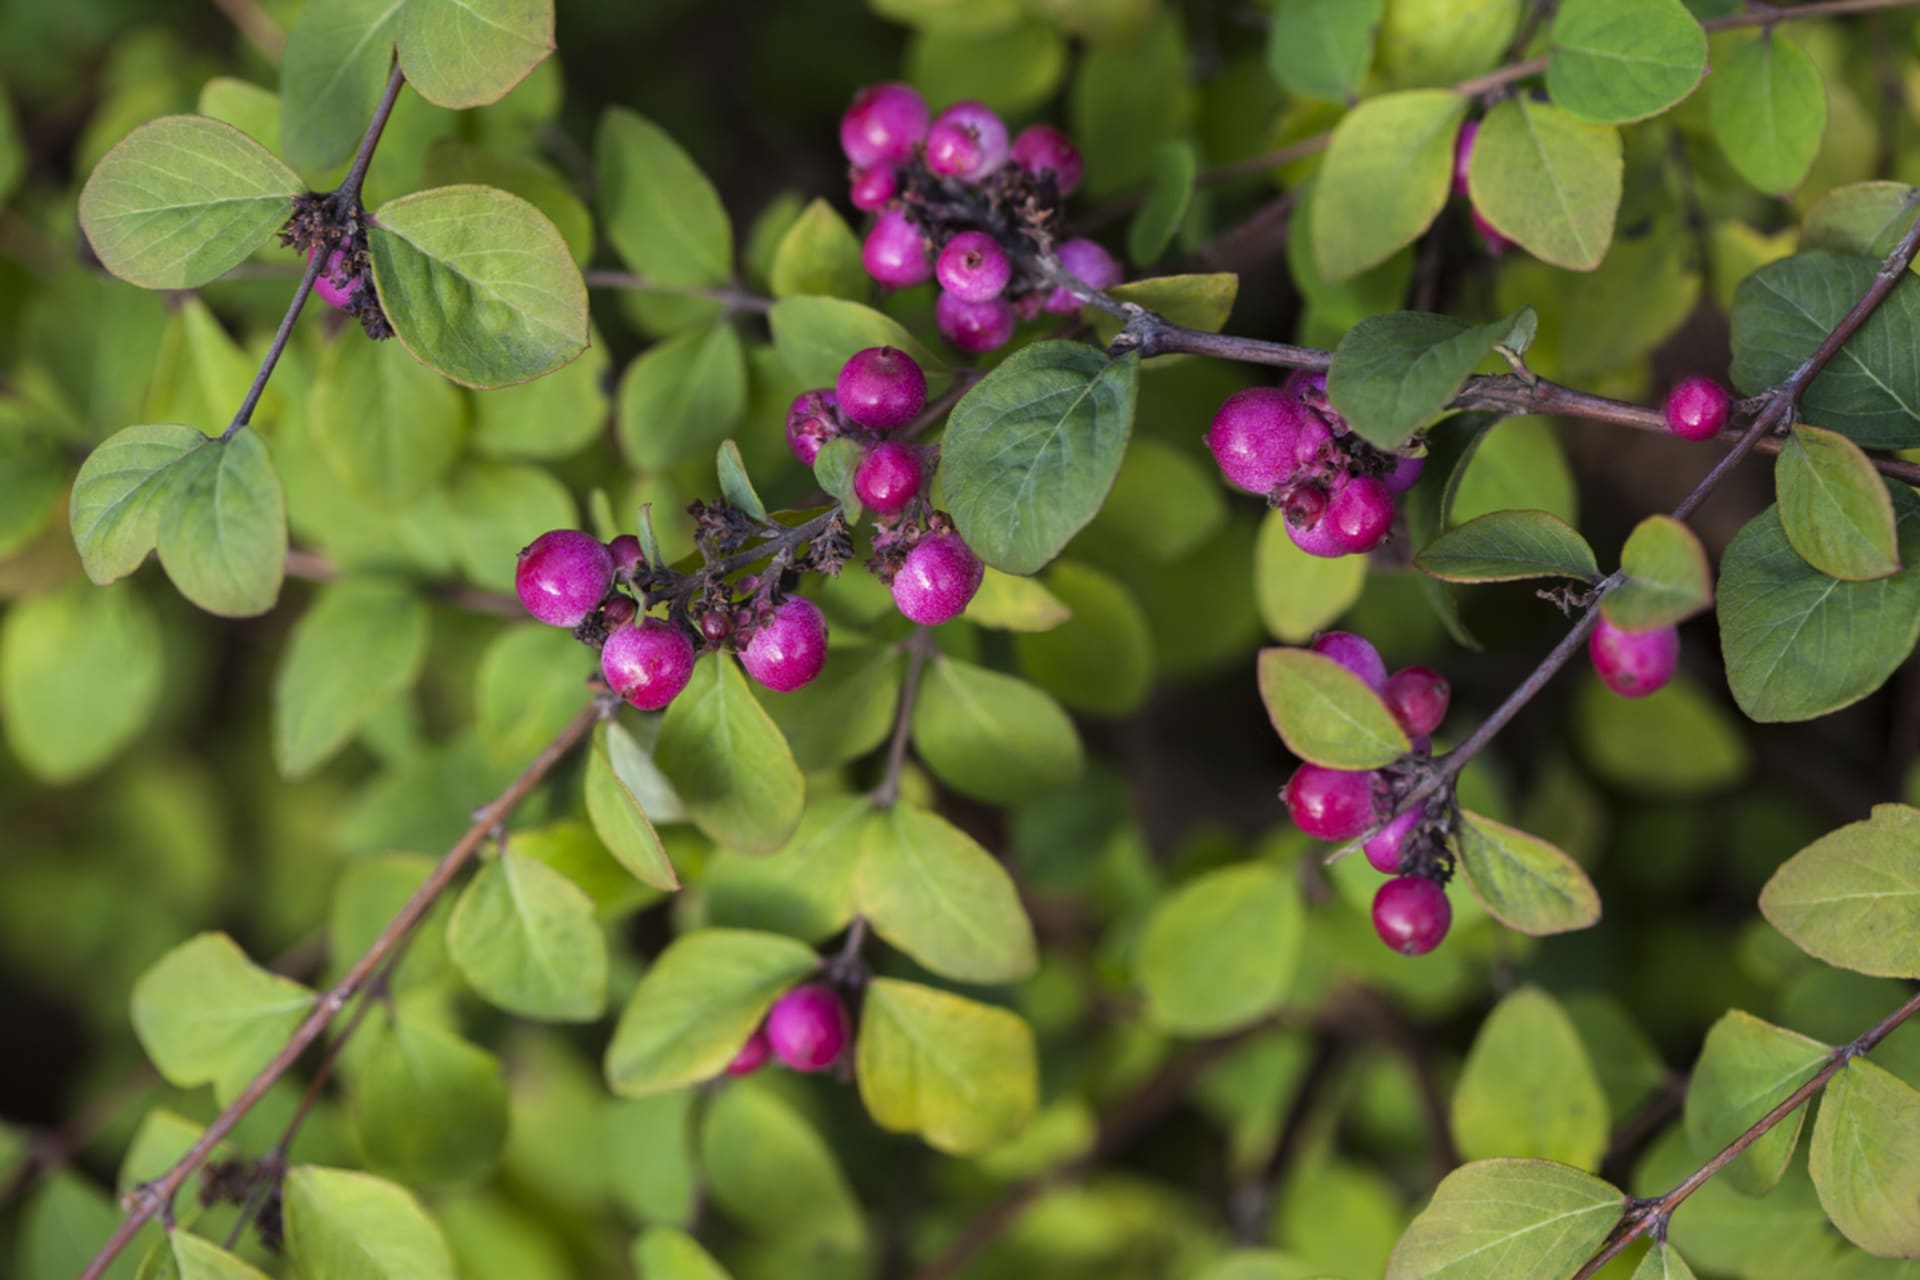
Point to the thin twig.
(348, 192)
(733, 296)
(919, 648)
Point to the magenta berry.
(1697, 408)
(974, 327)
(1255, 438)
(618, 611)
(812, 419)
(808, 1027)
(883, 125)
(1405, 474)
(937, 580)
(1087, 262)
(629, 560)
(1310, 531)
(1360, 513)
(648, 664)
(1411, 914)
(1384, 847)
(967, 140)
(881, 388)
(1634, 663)
(973, 267)
(563, 575)
(895, 253)
(1463, 154)
(1041, 149)
(1356, 654)
(1330, 804)
(334, 294)
(872, 188)
(752, 1056)
(715, 625)
(788, 650)
(1418, 698)
(888, 476)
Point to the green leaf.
(123, 488)
(735, 485)
(1170, 192)
(223, 527)
(725, 756)
(1863, 219)
(478, 285)
(1259, 1264)
(1614, 61)
(992, 736)
(532, 680)
(1031, 451)
(1668, 578)
(1222, 951)
(33, 479)
(1799, 644)
(206, 1014)
(525, 938)
(467, 53)
(818, 255)
(815, 336)
(1129, 95)
(1865, 1159)
(1834, 507)
(182, 201)
(663, 1253)
(1321, 48)
(833, 469)
(962, 1075)
(1516, 464)
(359, 648)
(697, 1005)
(1508, 1220)
(806, 889)
(1507, 546)
(845, 711)
(1525, 883)
(1768, 110)
(389, 427)
(1300, 594)
(1101, 659)
(202, 373)
(345, 1225)
(63, 1222)
(1528, 1087)
(1663, 1262)
(1675, 742)
(1165, 505)
(1014, 70)
(1745, 1068)
(1852, 897)
(1548, 181)
(181, 1255)
(332, 72)
(1007, 602)
(428, 1108)
(653, 1171)
(80, 676)
(682, 396)
(1384, 179)
(1196, 301)
(769, 1170)
(927, 888)
(1325, 713)
(618, 772)
(552, 417)
(1393, 374)
(1338, 305)
(450, 161)
(496, 509)
(1437, 42)
(369, 893)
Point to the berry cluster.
(807, 1029)
(1495, 243)
(1411, 912)
(345, 282)
(1289, 445)
(955, 201)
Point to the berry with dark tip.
(881, 388)
(1255, 439)
(895, 253)
(334, 295)
(973, 267)
(1634, 663)
(872, 188)
(974, 327)
(1041, 149)
(647, 664)
(888, 477)
(563, 575)
(752, 1056)
(629, 558)
(883, 125)
(788, 650)
(1697, 408)
(808, 1027)
(1087, 262)
(1411, 914)
(1360, 513)
(1384, 847)
(937, 579)
(967, 140)
(812, 419)
(1330, 804)
(1418, 698)
(1356, 654)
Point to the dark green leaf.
(1506, 546)
(1834, 507)
(1395, 373)
(1171, 191)
(80, 677)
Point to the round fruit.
(1042, 149)
(807, 1028)
(1330, 804)
(1360, 513)
(563, 575)
(973, 267)
(883, 125)
(334, 294)
(1356, 654)
(937, 580)
(629, 560)
(788, 650)
(1411, 914)
(1634, 663)
(888, 477)
(974, 327)
(1384, 848)
(1255, 439)
(967, 140)
(1088, 263)
(895, 253)
(1697, 409)
(647, 664)
(752, 1056)
(872, 188)
(812, 420)
(881, 388)
(1418, 698)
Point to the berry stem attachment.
(919, 648)
(733, 297)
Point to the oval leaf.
(388, 427)
(1865, 1159)
(1548, 181)
(962, 1075)
(1384, 178)
(1834, 506)
(993, 736)
(525, 938)
(332, 73)
(343, 1225)
(1326, 714)
(185, 1256)
(930, 890)
(819, 254)
(618, 772)
(1668, 578)
(1745, 1067)
(1528, 1087)
(121, 491)
(1393, 374)
(1222, 951)
(1168, 196)
(1768, 110)
(664, 218)
(1524, 882)
(1321, 48)
(428, 1107)
(1852, 897)
(353, 654)
(1506, 546)
(1508, 1220)
(726, 757)
(80, 677)
(682, 396)
(467, 53)
(1298, 594)
(1613, 61)
(206, 1014)
(815, 336)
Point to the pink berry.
(872, 188)
(1315, 536)
(563, 575)
(807, 1028)
(1490, 236)
(888, 477)
(618, 611)
(1330, 804)
(1697, 408)
(937, 580)
(1041, 149)
(1411, 914)
(788, 650)
(1360, 513)
(1405, 474)
(334, 294)
(1418, 698)
(895, 253)
(1255, 439)
(752, 1056)
(648, 664)
(881, 388)
(1356, 654)
(1462, 154)
(1634, 663)
(812, 420)
(629, 560)
(1384, 848)
(974, 327)
(973, 267)
(883, 125)
(1088, 263)
(967, 140)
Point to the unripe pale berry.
(1405, 474)
(1356, 654)
(974, 327)
(881, 388)
(1697, 408)
(1360, 513)
(895, 253)
(752, 1056)
(937, 580)
(967, 140)
(807, 1028)
(812, 419)
(1089, 263)
(1330, 804)
(788, 650)
(1384, 848)
(872, 188)
(973, 267)
(563, 575)
(1411, 914)
(1634, 663)
(629, 559)
(648, 664)
(334, 295)
(1462, 154)
(883, 124)
(1042, 148)
(1418, 698)
(888, 476)
(1255, 438)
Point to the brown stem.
(919, 648)
(347, 194)
(734, 297)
